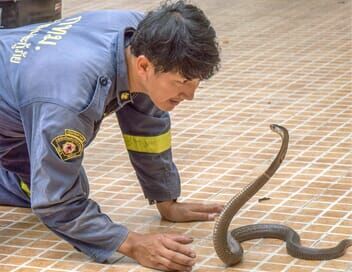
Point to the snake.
(227, 244)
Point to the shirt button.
(103, 81)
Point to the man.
(59, 80)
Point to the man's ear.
(143, 66)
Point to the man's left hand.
(184, 212)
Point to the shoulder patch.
(69, 145)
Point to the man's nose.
(189, 94)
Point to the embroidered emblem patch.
(70, 145)
(124, 96)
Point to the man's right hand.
(166, 252)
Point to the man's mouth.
(175, 102)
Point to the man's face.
(167, 90)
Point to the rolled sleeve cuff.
(170, 190)
(101, 253)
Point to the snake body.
(228, 244)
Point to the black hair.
(178, 37)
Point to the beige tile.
(30, 269)
(296, 268)
(5, 268)
(271, 267)
(14, 260)
(55, 255)
(39, 262)
(66, 265)
(91, 267)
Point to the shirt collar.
(122, 92)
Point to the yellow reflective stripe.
(25, 188)
(148, 144)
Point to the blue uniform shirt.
(58, 81)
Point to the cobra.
(228, 244)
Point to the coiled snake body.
(227, 244)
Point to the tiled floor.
(285, 62)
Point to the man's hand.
(185, 212)
(166, 252)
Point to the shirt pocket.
(94, 111)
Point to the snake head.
(275, 128)
(279, 130)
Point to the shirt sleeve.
(56, 138)
(147, 136)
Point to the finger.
(160, 267)
(207, 208)
(201, 207)
(201, 216)
(160, 263)
(183, 239)
(164, 264)
(212, 216)
(177, 260)
(180, 248)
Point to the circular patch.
(69, 145)
(68, 148)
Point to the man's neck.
(134, 84)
